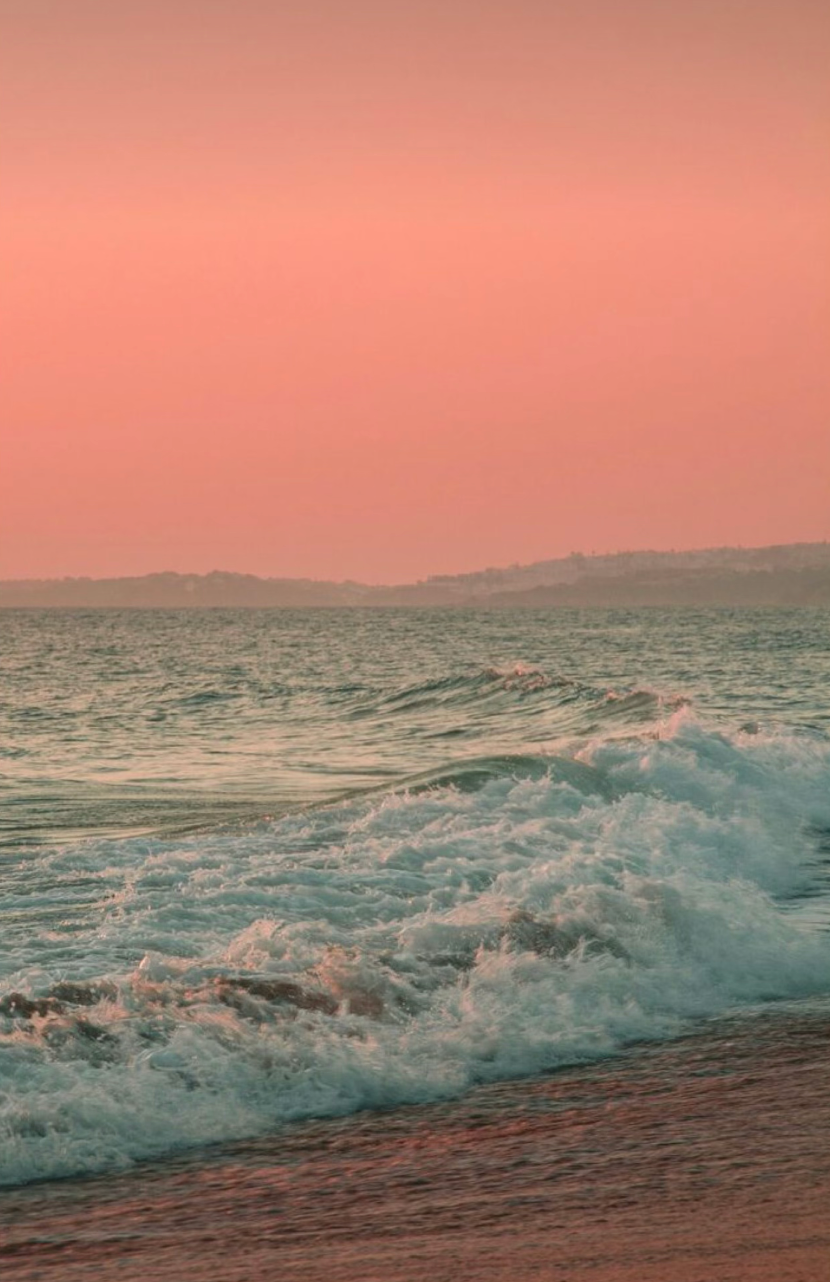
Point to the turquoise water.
(260, 866)
(141, 719)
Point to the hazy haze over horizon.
(792, 555)
(374, 293)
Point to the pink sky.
(379, 290)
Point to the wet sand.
(705, 1160)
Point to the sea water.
(265, 866)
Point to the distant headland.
(787, 575)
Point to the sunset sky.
(374, 290)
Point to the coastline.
(695, 1159)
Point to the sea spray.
(399, 945)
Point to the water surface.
(265, 866)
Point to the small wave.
(474, 773)
(527, 678)
(482, 683)
(642, 702)
(204, 698)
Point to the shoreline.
(696, 1159)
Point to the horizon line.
(461, 574)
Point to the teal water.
(139, 719)
(258, 866)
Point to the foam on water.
(499, 918)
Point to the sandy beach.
(706, 1158)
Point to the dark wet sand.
(707, 1160)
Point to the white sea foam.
(401, 947)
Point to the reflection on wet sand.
(706, 1158)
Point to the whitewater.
(264, 866)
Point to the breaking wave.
(497, 916)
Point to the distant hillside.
(179, 591)
(794, 574)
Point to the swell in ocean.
(498, 916)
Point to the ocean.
(261, 869)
